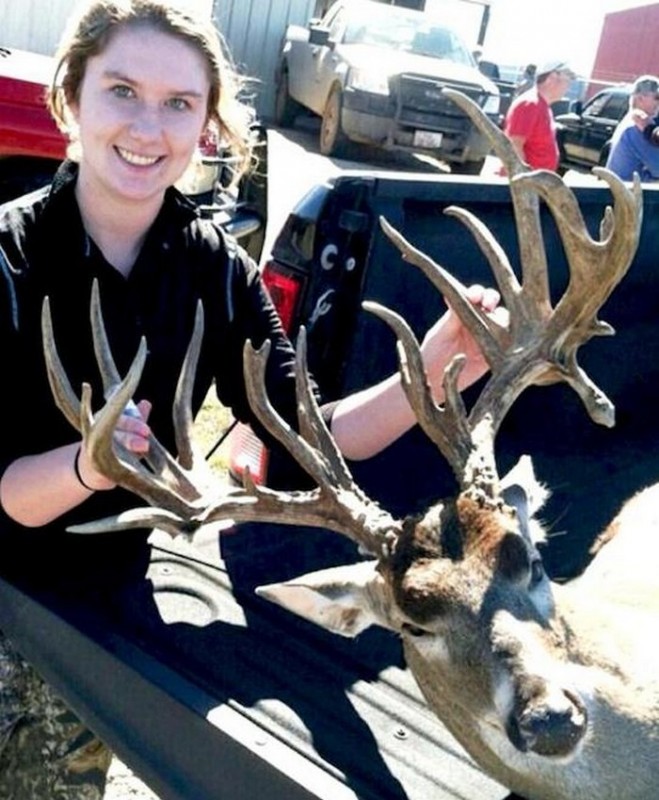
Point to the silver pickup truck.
(374, 74)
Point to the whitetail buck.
(553, 689)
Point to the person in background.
(137, 84)
(634, 141)
(529, 122)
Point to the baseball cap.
(555, 66)
(646, 84)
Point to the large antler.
(178, 501)
(160, 480)
(540, 343)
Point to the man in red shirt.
(529, 122)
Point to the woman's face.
(141, 109)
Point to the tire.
(286, 109)
(332, 141)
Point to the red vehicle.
(31, 146)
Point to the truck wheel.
(286, 109)
(332, 139)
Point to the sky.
(523, 31)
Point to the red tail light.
(246, 450)
(208, 144)
(284, 289)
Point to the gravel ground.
(124, 785)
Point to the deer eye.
(414, 630)
(537, 572)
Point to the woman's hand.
(132, 431)
(448, 337)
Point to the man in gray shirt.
(631, 152)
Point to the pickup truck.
(374, 74)
(208, 692)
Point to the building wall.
(37, 25)
(628, 45)
(33, 24)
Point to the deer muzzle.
(550, 725)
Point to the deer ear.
(343, 600)
(521, 481)
(522, 490)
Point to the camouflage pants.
(46, 753)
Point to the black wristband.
(76, 469)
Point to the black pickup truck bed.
(226, 698)
(208, 692)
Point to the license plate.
(429, 139)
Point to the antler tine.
(119, 464)
(525, 204)
(138, 518)
(338, 503)
(159, 460)
(66, 399)
(447, 426)
(498, 140)
(491, 337)
(312, 426)
(183, 418)
(106, 364)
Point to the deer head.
(462, 583)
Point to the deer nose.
(549, 726)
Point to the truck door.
(600, 118)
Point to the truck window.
(616, 107)
(608, 106)
(337, 27)
(439, 43)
